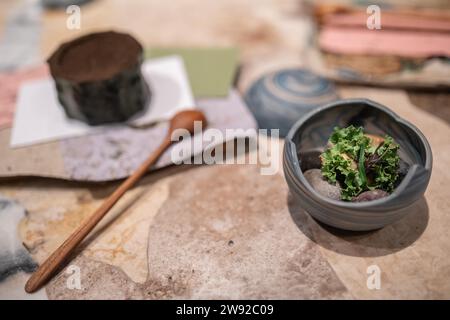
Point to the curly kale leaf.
(384, 166)
(353, 161)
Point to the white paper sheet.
(39, 117)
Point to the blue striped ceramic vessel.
(278, 99)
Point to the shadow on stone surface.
(381, 242)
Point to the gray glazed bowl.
(308, 137)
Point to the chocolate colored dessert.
(98, 77)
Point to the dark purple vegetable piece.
(370, 195)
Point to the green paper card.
(211, 71)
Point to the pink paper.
(389, 21)
(384, 42)
(9, 86)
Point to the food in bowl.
(361, 166)
(308, 139)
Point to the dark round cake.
(98, 77)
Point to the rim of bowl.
(367, 204)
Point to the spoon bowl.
(186, 120)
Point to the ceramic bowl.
(278, 99)
(309, 135)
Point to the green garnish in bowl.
(360, 162)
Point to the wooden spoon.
(182, 120)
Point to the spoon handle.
(57, 258)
